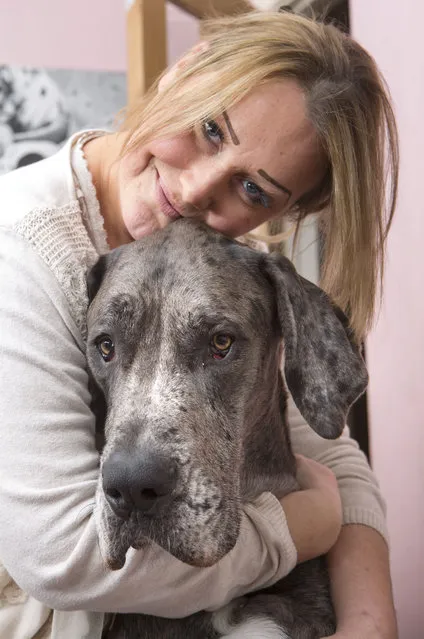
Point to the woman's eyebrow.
(261, 172)
(270, 179)
(231, 131)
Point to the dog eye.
(220, 345)
(106, 347)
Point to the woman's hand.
(314, 514)
(364, 632)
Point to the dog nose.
(141, 481)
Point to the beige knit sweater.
(51, 232)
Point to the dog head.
(184, 333)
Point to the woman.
(272, 115)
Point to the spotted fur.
(220, 423)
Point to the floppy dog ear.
(324, 370)
(95, 276)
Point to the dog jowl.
(184, 333)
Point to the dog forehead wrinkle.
(204, 291)
(193, 322)
(121, 307)
(208, 306)
(189, 260)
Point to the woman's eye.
(106, 348)
(255, 193)
(213, 132)
(220, 345)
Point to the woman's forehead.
(276, 136)
(272, 113)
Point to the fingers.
(312, 474)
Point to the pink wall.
(70, 34)
(78, 34)
(392, 32)
(183, 31)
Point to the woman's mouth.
(165, 205)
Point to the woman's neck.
(102, 155)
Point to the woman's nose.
(202, 184)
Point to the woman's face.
(235, 172)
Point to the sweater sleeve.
(49, 470)
(362, 500)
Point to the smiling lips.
(164, 204)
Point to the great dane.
(185, 329)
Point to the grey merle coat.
(184, 343)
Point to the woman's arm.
(314, 514)
(361, 585)
(362, 501)
(359, 561)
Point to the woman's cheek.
(134, 163)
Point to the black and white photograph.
(40, 108)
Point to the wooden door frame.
(146, 45)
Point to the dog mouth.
(169, 496)
(196, 536)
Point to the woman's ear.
(183, 63)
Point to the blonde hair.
(349, 106)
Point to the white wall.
(393, 32)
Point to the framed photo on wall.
(40, 109)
